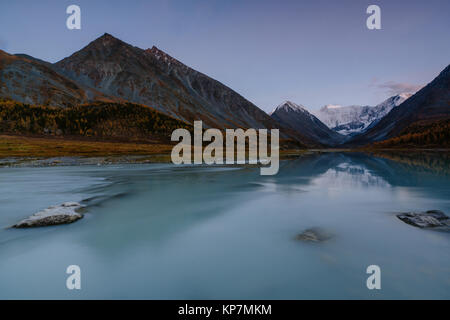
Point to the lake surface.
(159, 231)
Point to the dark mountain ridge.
(299, 119)
(112, 71)
(431, 103)
(29, 80)
(154, 78)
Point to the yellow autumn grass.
(21, 146)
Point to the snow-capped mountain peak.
(355, 119)
(399, 99)
(289, 106)
(298, 118)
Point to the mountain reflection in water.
(159, 231)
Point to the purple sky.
(312, 52)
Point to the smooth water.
(158, 231)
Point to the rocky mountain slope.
(154, 78)
(29, 81)
(110, 70)
(298, 118)
(431, 103)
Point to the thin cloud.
(393, 88)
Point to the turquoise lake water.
(159, 231)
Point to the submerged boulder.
(314, 235)
(67, 212)
(428, 219)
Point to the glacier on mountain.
(351, 120)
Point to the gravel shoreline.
(21, 162)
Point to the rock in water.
(429, 219)
(67, 212)
(314, 235)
